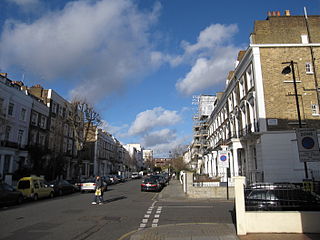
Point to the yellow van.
(34, 187)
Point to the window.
(42, 139)
(1, 106)
(10, 109)
(309, 68)
(23, 114)
(315, 109)
(34, 119)
(6, 165)
(33, 137)
(43, 121)
(54, 107)
(20, 136)
(36, 184)
(7, 133)
(52, 124)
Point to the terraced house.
(272, 92)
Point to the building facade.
(15, 105)
(256, 119)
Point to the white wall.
(280, 157)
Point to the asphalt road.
(125, 210)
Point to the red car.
(150, 184)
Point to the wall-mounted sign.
(308, 145)
(272, 122)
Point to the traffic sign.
(223, 159)
(308, 145)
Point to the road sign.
(223, 159)
(308, 145)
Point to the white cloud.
(95, 44)
(212, 56)
(163, 149)
(163, 136)
(206, 73)
(150, 119)
(114, 130)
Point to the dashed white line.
(157, 215)
(146, 216)
(155, 221)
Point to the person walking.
(98, 195)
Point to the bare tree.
(177, 158)
(83, 120)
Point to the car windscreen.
(24, 184)
(148, 180)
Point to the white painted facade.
(16, 109)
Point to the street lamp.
(288, 69)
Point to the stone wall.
(217, 192)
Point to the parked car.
(9, 195)
(276, 198)
(160, 179)
(62, 187)
(135, 175)
(121, 178)
(151, 184)
(34, 187)
(89, 185)
(113, 179)
(75, 183)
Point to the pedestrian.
(98, 194)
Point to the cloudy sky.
(139, 61)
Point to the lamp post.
(288, 69)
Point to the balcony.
(5, 143)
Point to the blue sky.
(139, 61)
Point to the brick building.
(256, 119)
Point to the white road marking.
(154, 225)
(144, 220)
(157, 216)
(146, 216)
(155, 221)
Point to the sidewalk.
(213, 231)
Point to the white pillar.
(240, 205)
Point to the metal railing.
(281, 197)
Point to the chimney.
(287, 13)
(274, 13)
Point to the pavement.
(206, 231)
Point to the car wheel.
(35, 197)
(51, 195)
(20, 199)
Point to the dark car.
(150, 184)
(160, 179)
(9, 195)
(75, 183)
(277, 198)
(62, 187)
